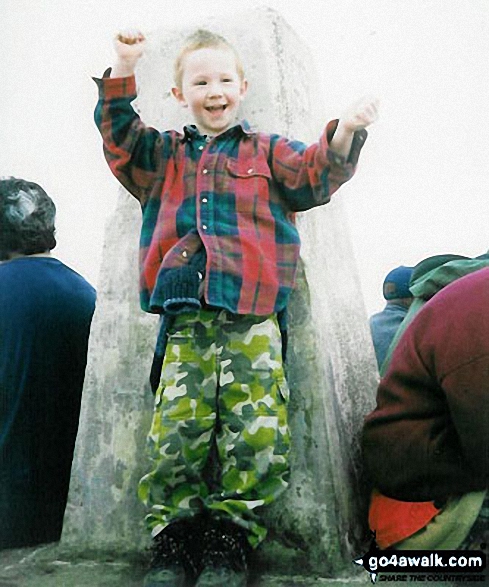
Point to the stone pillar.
(331, 367)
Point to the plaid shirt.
(235, 194)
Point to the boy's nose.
(214, 89)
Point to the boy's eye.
(200, 83)
(227, 79)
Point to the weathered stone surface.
(54, 566)
(51, 566)
(317, 524)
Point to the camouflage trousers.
(223, 387)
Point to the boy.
(219, 251)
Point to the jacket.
(427, 439)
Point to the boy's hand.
(360, 115)
(357, 117)
(129, 46)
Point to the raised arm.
(137, 154)
(309, 175)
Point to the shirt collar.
(191, 132)
(246, 128)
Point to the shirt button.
(204, 226)
(204, 200)
(250, 170)
(184, 254)
(201, 148)
(204, 171)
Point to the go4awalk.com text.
(421, 565)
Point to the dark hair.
(27, 217)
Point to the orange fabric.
(393, 520)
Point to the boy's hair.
(203, 39)
(27, 216)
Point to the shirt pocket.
(248, 169)
(251, 185)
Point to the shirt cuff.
(359, 138)
(115, 87)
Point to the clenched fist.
(129, 46)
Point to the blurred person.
(384, 324)
(426, 445)
(46, 310)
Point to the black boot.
(172, 563)
(224, 561)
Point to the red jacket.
(428, 437)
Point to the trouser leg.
(252, 436)
(479, 533)
(183, 423)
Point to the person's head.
(396, 286)
(209, 80)
(27, 216)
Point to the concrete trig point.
(316, 525)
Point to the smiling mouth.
(217, 108)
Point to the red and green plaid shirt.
(236, 194)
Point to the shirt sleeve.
(136, 154)
(309, 175)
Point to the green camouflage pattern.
(222, 385)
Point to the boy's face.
(211, 88)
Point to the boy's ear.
(178, 94)
(244, 88)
